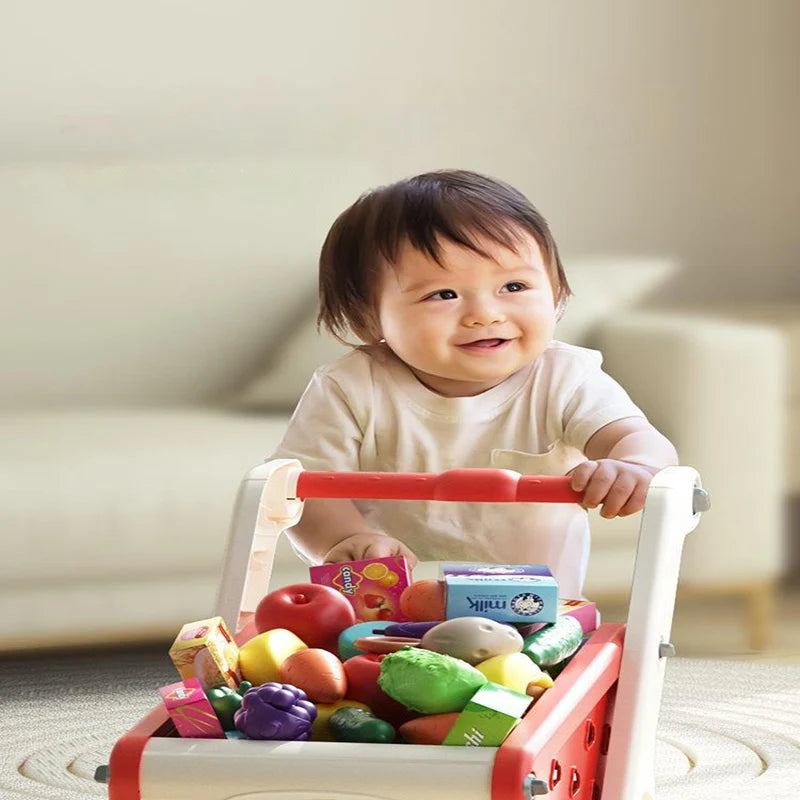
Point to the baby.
(454, 283)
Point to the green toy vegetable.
(432, 683)
(350, 724)
(226, 701)
(554, 643)
(557, 669)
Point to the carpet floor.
(727, 729)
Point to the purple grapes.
(275, 711)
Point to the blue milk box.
(502, 592)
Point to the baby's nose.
(483, 313)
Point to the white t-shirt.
(368, 412)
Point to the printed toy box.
(513, 595)
(583, 610)
(491, 714)
(205, 650)
(373, 586)
(190, 711)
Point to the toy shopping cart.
(591, 737)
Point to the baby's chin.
(458, 385)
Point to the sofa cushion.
(604, 286)
(157, 281)
(122, 494)
(785, 317)
(601, 288)
(279, 387)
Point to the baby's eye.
(442, 294)
(515, 286)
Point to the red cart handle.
(470, 485)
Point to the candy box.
(373, 586)
(509, 597)
(489, 716)
(583, 610)
(190, 711)
(205, 650)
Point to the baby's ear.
(561, 307)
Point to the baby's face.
(465, 328)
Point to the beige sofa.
(783, 316)
(158, 332)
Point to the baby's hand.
(368, 545)
(619, 486)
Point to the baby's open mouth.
(485, 343)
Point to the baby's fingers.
(582, 474)
(636, 500)
(336, 555)
(619, 494)
(599, 484)
(385, 546)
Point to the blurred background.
(168, 171)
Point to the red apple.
(362, 685)
(316, 614)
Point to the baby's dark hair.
(452, 204)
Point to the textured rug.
(728, 729)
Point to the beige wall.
(655, 128)
(634, 125)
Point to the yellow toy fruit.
(544, 681)
(261, 657)
(320, 730)
(512, 670)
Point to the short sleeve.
(323, 433)
(597, 401)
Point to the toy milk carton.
(502, 592)
(468, 568)
(373, 585)
(490, 715)
(205, 650)
(190, 711)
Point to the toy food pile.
(364, 654)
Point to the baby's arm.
(623, 458)
(332, 531)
